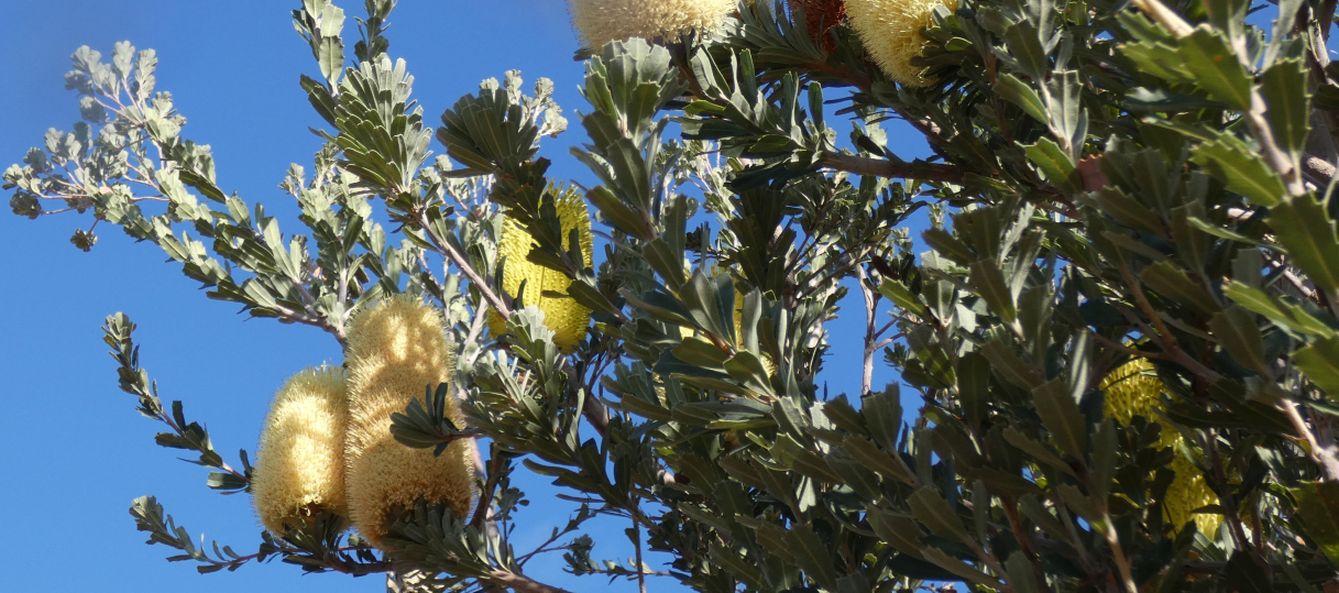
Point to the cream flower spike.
(893, 31)
(299, 470)
(602, 21)
(396, 349)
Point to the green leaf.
(1021, 576)
(988, 280)
(1172, 282)
(935, 513)
(898, 530)
(1060, 414)
(1240, 168)
(1236, 330)
(1320, 362)
(1015, 91)
(1307, 231)
(1247, 574)
(1214, 67)
(1318, 515)
(1287, 104)
(1055, 166)
(1291, 318)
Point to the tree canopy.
(1118, 308)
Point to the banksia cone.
(396, 350)
(1132, 390)
(602, 21)
(893, 32)
(300, 468)
(562, 314)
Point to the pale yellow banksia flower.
(396, 350)
(299, 470)
(1133, 389)
(893, 31)
(602, 21)
(562, 314)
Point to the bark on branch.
(885, 168)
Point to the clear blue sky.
(74, 451)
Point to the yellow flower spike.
(893, 31)
(602, 21)
(1187, 492)
(562, 314)
(397, 349)
(1133, 389)
(299, 470)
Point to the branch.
(521, 583)
(886, 168)
(1324, 456)
(445, 248)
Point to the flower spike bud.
(893, 31)
(396, 350)
(300, 468)
(602, 21)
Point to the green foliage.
(1108, 182)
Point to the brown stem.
(1323, 455)
(1118, 555)
(444, 247)
(871, 307)
(885, 168)
(521, 583)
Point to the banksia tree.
(300, 470)
(397, 350)
(1105, 188)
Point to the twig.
(871, 308)
(885, 168)
(637, 545)
(521, 583)
(1324, 456)
(1118, 554)
(445, 248)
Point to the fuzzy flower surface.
(1133, 389)
(397, 349)
(893, 31)
(300, 468)
(543, 287)
(602, 21)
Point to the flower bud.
(396, 351)
(299, 470)
(562, 314)
(602, 21)
(893, 31)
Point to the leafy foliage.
(1109, 182)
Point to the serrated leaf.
(1287, 104)
(1307, 231)
(1055, 166)
(1241, 169)
(1320, 362)
(1061, 416)
(1318, 515)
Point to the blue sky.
(74, 450)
